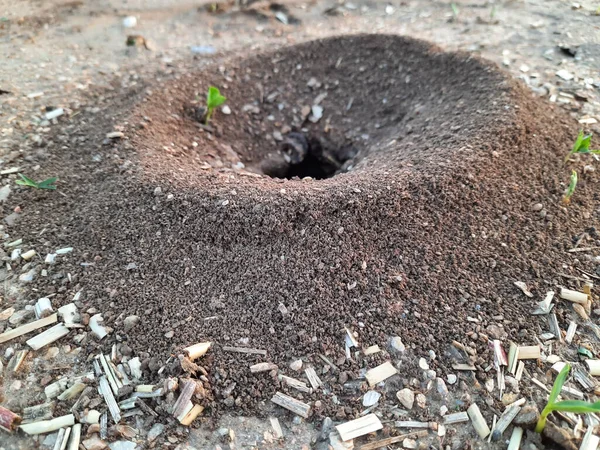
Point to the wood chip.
(359, 427)
(478, 421)
(415, 424)
(296, 384)
(28, 328)
(17, 361)
(458, 417)
(545, 306)
(313, 378)
(263, 367)
(191, 416)
(529, 352)
(296, 406)
(380, 373)
(106, 392)
(197, 350)
(573, 296)
(371, 350)
(9, 421)
(505, 420)
(276, 427)
(464, 367)
(187, 390)
(36, 413)
(245, 350)
(523, 288)
(571, 332)
(515, 439)
(554, 327)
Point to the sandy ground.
(64, 49)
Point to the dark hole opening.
(309, 156)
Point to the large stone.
(130, 322)
(396, 345)
(528, 416)
(406, 397)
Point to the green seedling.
(455, 10)
(213, 100)
(582, 145)
(46, 184)
(572, 406)
(493, 12)
(571, 188)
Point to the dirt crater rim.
(400, 104)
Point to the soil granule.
(432, 223)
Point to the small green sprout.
(455, 10)
(213, 100)
(572, 406)
(582, 145)
(493, 12)
(46, 184)
(571, 188)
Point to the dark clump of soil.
(430, 220)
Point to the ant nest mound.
(373, 182)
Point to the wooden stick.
(36, 413)
(48, 426)
(28, 328)
(393, 440)
(191, 416)
(197, 350)
(359, 427)
(75, 437)
(9, 421)
(573, 296)
(296, 406)
(245, 350)
(48, 337)
(571, 332)
(515, 439)
(113, 407)
(458, 417)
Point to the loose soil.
(431, 225)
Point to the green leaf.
(571, 188)
(26, 181)
(581, 145)
(576, 406)
(558, 383)
(214, 98)
(48, 184)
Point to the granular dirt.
(432, 223)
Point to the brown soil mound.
(433, 223)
